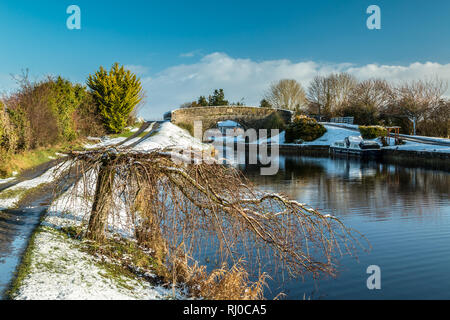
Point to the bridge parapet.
(247, 116)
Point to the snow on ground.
(13, 176)
(6, 180)
(431, 139)
(8, 203)
(333, 134)
(338, 134)
(134, 140)
(61, 270)
(342, 125)
(422, 147)
(170, 135)
(105, 141)
(18, 189)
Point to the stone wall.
(248, 117)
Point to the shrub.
(21, 124)
(372, 132)
(187, 126)
(304, 128)
(64, 99)
(8, 138)
(116, 94)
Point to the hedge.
(304, 128)
(372, 132)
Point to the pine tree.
(116, 94)
(218, 98)
(202, 101)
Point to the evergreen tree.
(202, 101)
(218, 98)
(265, 104)
(116, 94)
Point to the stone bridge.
(247, 117)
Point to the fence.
(348, 120)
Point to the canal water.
(404, 213)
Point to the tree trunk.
(100, 208)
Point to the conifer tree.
(116, 94)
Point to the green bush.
(116, 94)
(304, 128)
(8, 138)
(21, 124)
(372, 132)
(64, 100)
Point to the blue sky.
(177, 45)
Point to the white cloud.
(190, 54)
(137, 69)
(248, 79)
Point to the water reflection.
(347, 186)
(404, 212)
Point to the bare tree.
(328, 93)
(375, 93)
(342, 85)
(415, 99)
(286, 94)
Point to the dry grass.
(224, 283)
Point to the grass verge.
(29, 159)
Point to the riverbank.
(58, 265)
(411, 153)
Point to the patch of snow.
(333, 134)
(106, 141)
(47, 177)
(60, 270)
(431, 139)
(416, 146)
(342, 125)
(6, 180)
(170, 135)
(134, 140)
(9, 202)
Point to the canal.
(404, 212)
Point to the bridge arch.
(247, 117)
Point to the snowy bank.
(59, 267)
